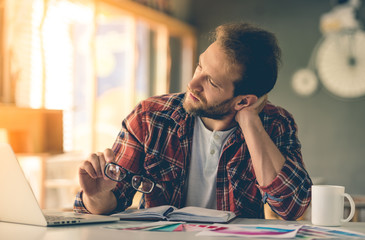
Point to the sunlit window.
(89, 58)
(52, 57)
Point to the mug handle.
(352, 211)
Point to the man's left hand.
(253, 110)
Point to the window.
(92, 59)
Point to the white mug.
(328, 205)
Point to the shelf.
(32, 130)
(175, 27)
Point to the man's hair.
(256, 50)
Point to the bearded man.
(219, 145)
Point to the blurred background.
(71, 70)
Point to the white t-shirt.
(206, 151)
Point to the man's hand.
(91, 173)
(253, 110)
(95, 185)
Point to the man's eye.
(212, 83)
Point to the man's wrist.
(249, 120)
(100, 203)
(97, 196)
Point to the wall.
(331, 130)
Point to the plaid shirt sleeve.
(79, 206)
(289, 193)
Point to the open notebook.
(170, 213)
(18, 203)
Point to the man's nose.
(196, 83)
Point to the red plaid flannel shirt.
(156, 140)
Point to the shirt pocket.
(166, 174)
(163, 171)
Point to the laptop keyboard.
(62, 219)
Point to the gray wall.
(331, 130)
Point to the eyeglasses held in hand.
(140, 183)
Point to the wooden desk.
(96, 231)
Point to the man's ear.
(243, 101)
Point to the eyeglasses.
(140, 183)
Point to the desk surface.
(10, 231)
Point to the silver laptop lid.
(17, 202)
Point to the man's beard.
(217, 111)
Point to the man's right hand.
(95, 185)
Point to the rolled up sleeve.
(289, 194)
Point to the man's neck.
(219, 125)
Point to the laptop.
(19, 205)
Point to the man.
(219, 145)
